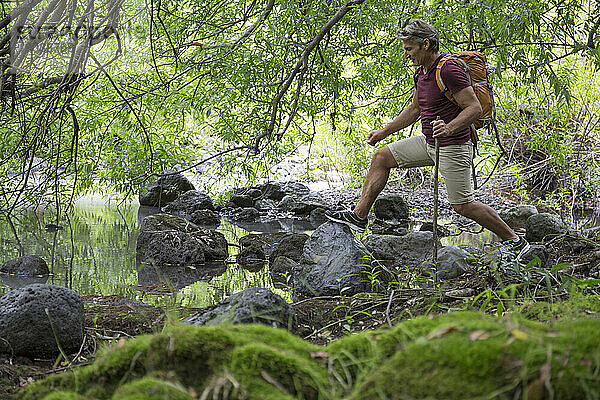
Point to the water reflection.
(94, 254)
(18, 281)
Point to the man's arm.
(407, 117)
(471, 110)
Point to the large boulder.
(544, 226)
(188, 203)
(35, 319)
(415, 249)
(169, 240)
(250, 306)
(516, 217)
(291, 246)
(391, 207)
(332, 263)
(25, 266)
(164, 190)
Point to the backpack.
(476, 69)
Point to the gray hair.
(418, 30)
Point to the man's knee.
(463, 209)
(382, 157)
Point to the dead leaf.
(25, 381)
(322, 355)
(121, 342)
(479, 335)
(519, 334)
(441, 332)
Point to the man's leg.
(487, 217)
(379, 171)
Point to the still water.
(93, 253)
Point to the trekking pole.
(435, 204)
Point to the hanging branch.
(302, 61)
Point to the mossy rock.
(263, 362)
(454, 356)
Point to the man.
(440, 119)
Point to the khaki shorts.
(455, 164)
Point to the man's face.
(414, 51)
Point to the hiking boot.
(349, 218)
(516, 247)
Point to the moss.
(151, 389)
(453, 356)
(577, 306)
(64, 396)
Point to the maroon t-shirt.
(433, 103)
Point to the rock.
(164, 190)
(278, 190)
(206, 218)
(265, 204)
(28, 330)
(188, 203)
(250, 306)
(536, 252)
(380, 227)
(391, 207)
(333, 261)
(544, 226)
(291, 246)
(254, 193)
(242, 200)
(414, 249)
(25, 266)
(249, 214)
(516, 217)
(169, 240)
(268, 241)
(453, 261)
(302, 205)
(251, 257)
(317, 216)
(428, 227)
(282, 269)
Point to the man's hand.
(375, 136)
(440, 129)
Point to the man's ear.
(426, 44)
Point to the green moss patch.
(454, 356)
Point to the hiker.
(441, 119)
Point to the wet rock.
(251, 257)
(188, 203)
(317, 216)
(537, 256)
(414, 249)
(268, 241)
(254, 193)
(242, 200)
(333, 261)
(453, 261)
(391, 207)
(25, 266)
(248, 214)
(380, 227)
(428, 227)
(544, 226)
(164, 190)
(278, 190)
(205, 217)
(178, 277)
(302, 205)
(282, 269)
(265, 204)
(516, 217)
(250, 306)
(27, 329)
(169, 240)
(291, 245)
